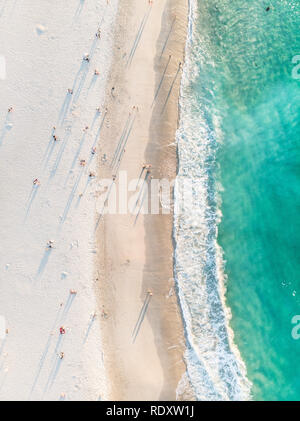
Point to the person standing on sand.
(50, 244)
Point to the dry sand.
(137, 257)
(43, 43)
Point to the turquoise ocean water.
(239, 141)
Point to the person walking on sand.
(104, 314)
(50, 244)
(147, 167)
(62, 330)
(36, 182)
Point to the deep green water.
(247, 69)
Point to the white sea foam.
(214, 366)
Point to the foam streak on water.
(214, 366)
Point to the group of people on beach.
(82, 162)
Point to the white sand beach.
(143, 342)
(43, 43)
(112, 264)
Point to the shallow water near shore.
(238, 137)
